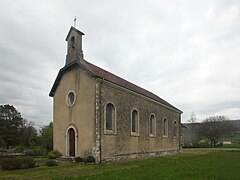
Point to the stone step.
(65, 159)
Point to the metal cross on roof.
(75, 21)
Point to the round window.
(71, 98)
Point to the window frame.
(69, 104)
(165, 127)
(175, 129)
(137, 123)
(153, 125)
(114, 120)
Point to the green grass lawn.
(235, 145)
(192, 164)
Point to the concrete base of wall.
(140, 155)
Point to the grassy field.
(235, 145)
(203, 164)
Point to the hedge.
(16, 162)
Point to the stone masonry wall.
(122, 144)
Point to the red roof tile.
(123, 83)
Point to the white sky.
(186, 52)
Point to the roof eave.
(166, 105)
(66, 68)
(73, 28)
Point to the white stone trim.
(75, 98)
(96, 150)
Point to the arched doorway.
(71, 135)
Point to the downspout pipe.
(179, 131)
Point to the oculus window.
(71, 98)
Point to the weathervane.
(75, 21)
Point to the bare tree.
(192, 131)
(28, 132)
(193, 118)
(215, 127)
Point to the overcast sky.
(186, 52)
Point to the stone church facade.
(100, 114)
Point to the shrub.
(220, 144)
(20, 148)
(89, 159)
(2, 156)
(28, 152)
(51, 163)
(54, 154)
(32, 151)
(204, 143)
(2, 142)
(38, 151)
(78, 159)
(20, 162)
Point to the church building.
(99, 114)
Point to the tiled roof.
(99, 72)
(124, 83)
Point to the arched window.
(134, 123)
(152, 125)
(165, 127)
(175, 129)
(72, 45)
(110, 117)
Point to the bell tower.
(74, 46)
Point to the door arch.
(71, 141)
(71, 134)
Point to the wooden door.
(71, 142)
